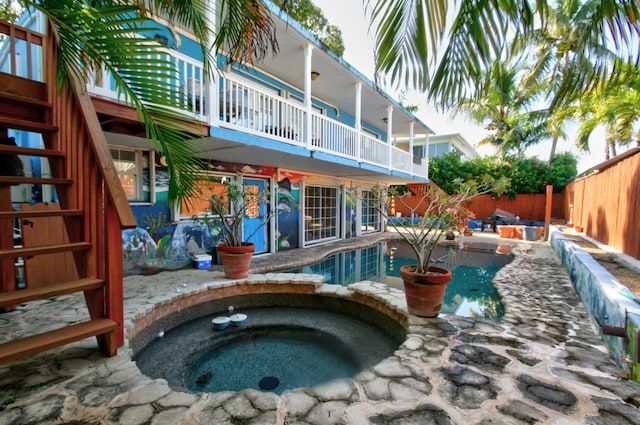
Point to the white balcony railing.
(191, 83)
(421, 169)
(331, 136)
(374, 151)
(246, 107)
(401, 159)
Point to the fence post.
(547, 211)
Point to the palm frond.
(246, 30)
(406, 32)
(109, 36)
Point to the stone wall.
(610, 304)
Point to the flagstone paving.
(543, 363)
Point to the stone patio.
(543, 363)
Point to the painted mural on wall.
(157, 244)
(289, 211)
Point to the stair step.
(15, 180)
(40, 214)
(31, 294)
(25, 100)
(20, 124)
(44, 249)
(45, 341)
(18, 150)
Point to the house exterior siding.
(259, 126)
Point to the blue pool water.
(470, 294)
(296, 357)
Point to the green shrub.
(527, 175)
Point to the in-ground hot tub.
(288, 341)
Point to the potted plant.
(230, 204)
(425, 284)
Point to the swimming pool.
(473, 264)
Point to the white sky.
(348, 16)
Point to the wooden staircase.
(93, 208)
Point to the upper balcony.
(304, 108)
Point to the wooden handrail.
(107, 169)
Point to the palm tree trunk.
(554, 146)
(613, 148)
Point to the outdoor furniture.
(489, 224)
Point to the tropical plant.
(230, 204)
(504, 106)
(565, 50)
(8, 11)
(311, 17)
(425, 45)
(443, 213)
(616, 107)
(525, 175)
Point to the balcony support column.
(308, 53)
(358, 124)
(211, 83)
(411, 124)
(389, 136)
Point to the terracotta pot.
(425, 292)
(579, 229)
(236, 260)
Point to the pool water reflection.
(473, 264)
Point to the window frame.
(320, 233)
(139, 163)
(368, 210)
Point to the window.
(438, 149)
(370, 216)
(134, 170)
(370, 133)
(320, 213)
(419, 151)
(208, 186)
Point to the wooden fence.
(527, 207)
(606, 204)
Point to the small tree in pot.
(230, 204)
(425, 284)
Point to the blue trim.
(323, 156)
(263, 142)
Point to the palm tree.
(617, 107)
(109, 34)
(565, 50)
(626, 104)
(446, 53)
(504, 106)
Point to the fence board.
(607, 203)
(530, 207)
